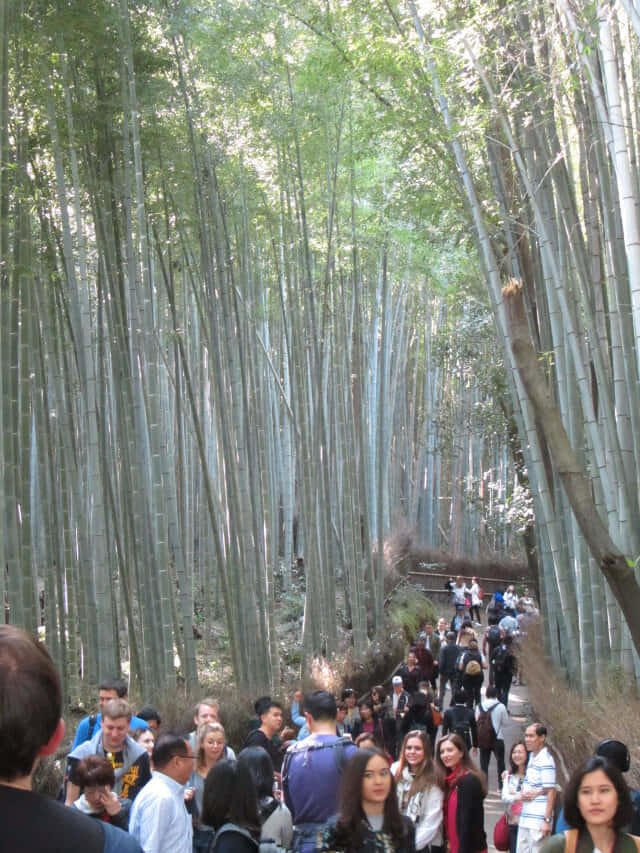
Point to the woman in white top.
(476, 600)
(512, 781)
(510, 598)
(419, 794)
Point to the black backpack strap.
(93, 719)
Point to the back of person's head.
(95, 770)
(116, 684)
(230, 797)
(259, 764)
(166, 747)
(459, 696)
(321, 705)
(30, 701)
(491, 692)
(418, 702)
(616, 753)
(149, 713)
(451, 637)
(116, 708)
(492, 620)
(572, 813)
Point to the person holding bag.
(512, 781)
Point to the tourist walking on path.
(465, 788)
(418, 790)
(504, 666)
(491, 718)
(597, 805)
(460, 720)
(471, 668)
(538, 791)
(512, 781)
(476, 600)
(369, 819)
(447, 665)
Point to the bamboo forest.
(281, 280)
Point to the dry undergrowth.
(577, 722)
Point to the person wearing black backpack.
(503, 663)
(491, 639)
(460, 720)
(491, 717)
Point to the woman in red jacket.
(465, 788)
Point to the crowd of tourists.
(398, 769)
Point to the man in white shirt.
(538, 792)
(159, 819)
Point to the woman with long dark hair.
(275, 817)
(512, 782)
(597, 805)
(230, 807)
(369, 819)
(465, 787)
(419, 791)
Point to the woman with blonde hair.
(419, 790)
(211, 750)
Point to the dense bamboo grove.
(551, 186)
(248, 256)
(238, 334)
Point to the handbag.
(501, 834)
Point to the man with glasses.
(159, 819)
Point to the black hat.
(616, 752)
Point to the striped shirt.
(541, 773)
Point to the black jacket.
(447, 660)
(373, 842)
(461, 720)
(470, 815)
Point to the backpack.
(339, 758)
(571, 841)
(494, 636)
(463, 730)
(266, 845)
(500, 660)
(486, 732)
(469, 667)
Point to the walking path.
(520, 717)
